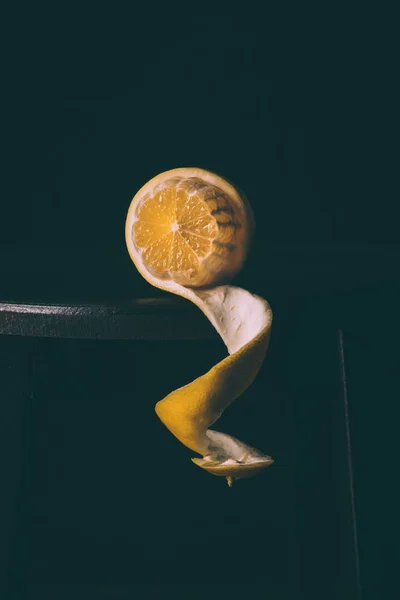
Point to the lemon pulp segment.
(189, 231)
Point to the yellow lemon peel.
(187, 232)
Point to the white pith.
(237, 315)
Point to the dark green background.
(294, 104)
(298, 106)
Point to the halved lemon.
(188, 232)
(191, 226)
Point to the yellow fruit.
(191, 226)
(188, 231)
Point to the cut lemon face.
(191, 226)
(188, 232)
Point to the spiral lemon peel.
(243, 321)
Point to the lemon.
(188, 232)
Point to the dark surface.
(87, 515)
(146, 319)
(83, 505)
(82, 518)
(109, 502)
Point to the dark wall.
(295, 106)
(298, 106)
